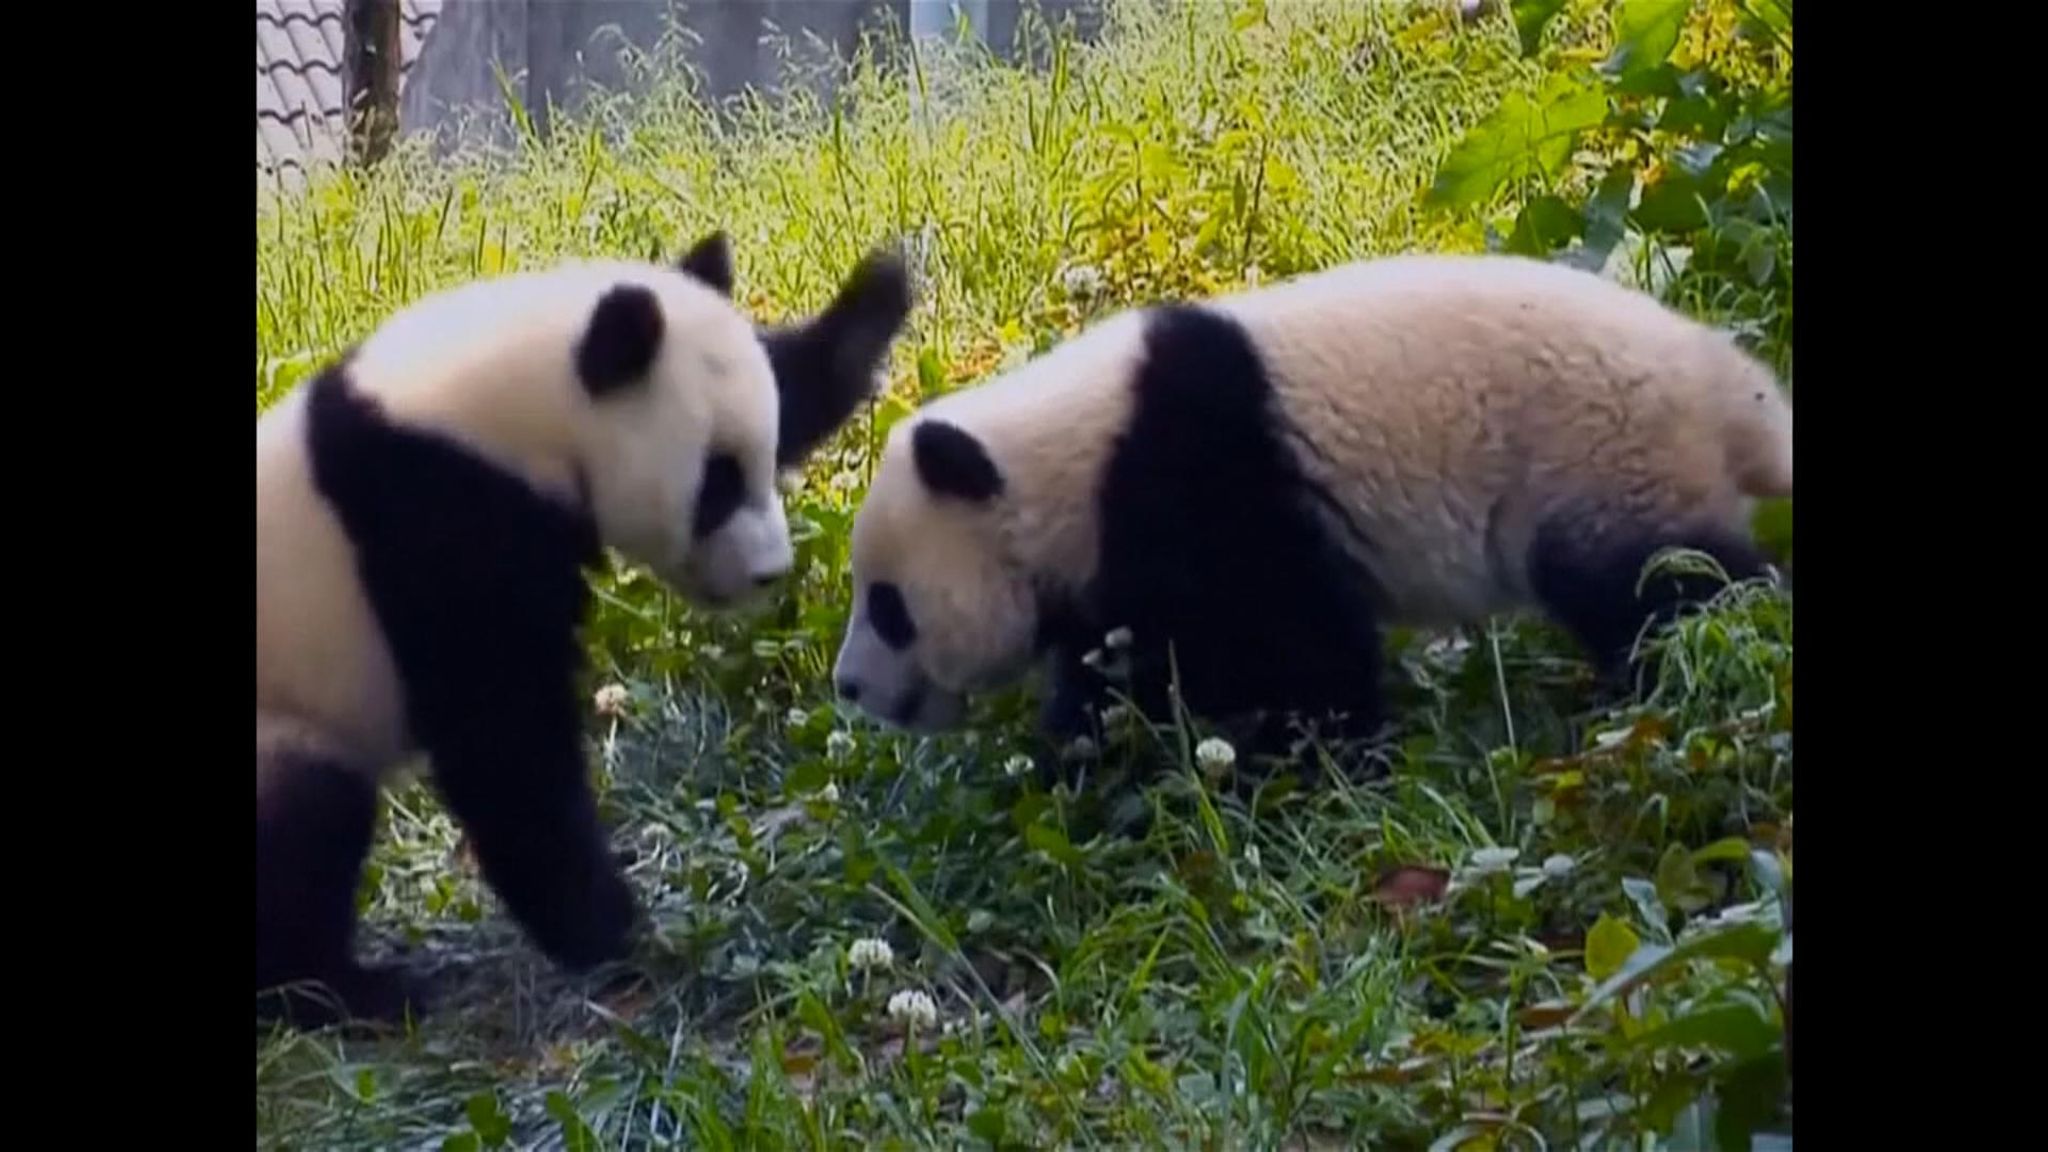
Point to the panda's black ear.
(710, 260)
(621, 340)
(951, 462)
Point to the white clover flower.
(1081, 748)
(1488, 860)
(1017, 765)
(839, 745)
(870, 952)
(845, 481)
(1215, 754)
(611, 700)
(830, 792)
(797, 718)
(1115, 714)
(1558, 865)
(1081, 280)
(714, 651)
(1118, 638)
(914, 1008)
(790, 481)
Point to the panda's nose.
(764, 579)
(848, 690)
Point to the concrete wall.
(552, 51)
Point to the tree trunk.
(370, 77)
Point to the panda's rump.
(1455, 408)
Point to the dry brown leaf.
(1411, 884)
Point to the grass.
(1548, 926)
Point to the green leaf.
(1678, 883)
(917, 909)
(1606, 218)
(1661, 81)
(1733, 1027)
(813, 1013)
(1544, 225)
(1531, 17)
(1748, 942)
(1608, 946)
(487, 1120)
(1689, 115)
(1643, 895)
(576, 1135)
(1730, 849)
(1521, 137)
(1053, 843)
(1763, 863)
(1645, 32)
(808, 776)
(1748, 1097)
(989, 1124)
(1671, 205)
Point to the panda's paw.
(603, 930)
(387, 994)
(379, 996)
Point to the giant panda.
(425, 506)
(1254, 486)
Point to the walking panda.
(425, 507)
(1262, 481)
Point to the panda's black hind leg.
(315, 815)
(1587, 581)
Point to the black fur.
(1208, 543)
(1585, 569)
(825, 368)
(476, 579)
(621, 341)
(890, 616)
(953, 463)
(710, 261)
(314, 819)
(719, 495)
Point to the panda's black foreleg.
(516, 779)
(315, 816)
(1588, 582)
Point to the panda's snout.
(848, 690)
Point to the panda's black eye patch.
(890, 615)
(725, 486)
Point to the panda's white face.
(706, 407)
(941, 610)
(680, 463)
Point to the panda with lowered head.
(425, 508)
(1257, 484)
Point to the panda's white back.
(1453, 403)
